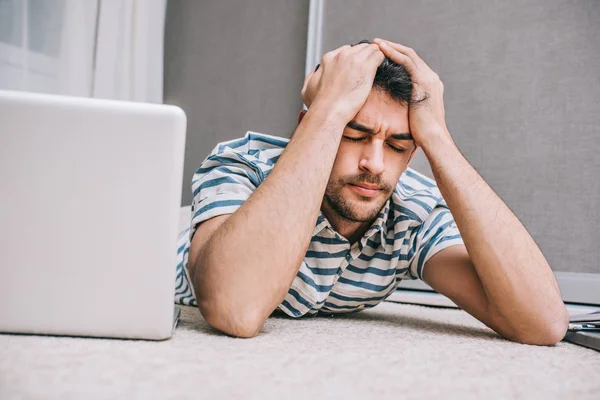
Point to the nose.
(372, 158)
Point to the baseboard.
(575, 287)
(432, 299)
(424, 298)
(577, 291)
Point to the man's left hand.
(426, 116)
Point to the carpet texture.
(393, 350)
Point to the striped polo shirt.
(335, 275)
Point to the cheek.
(346, 162)
(394, 167)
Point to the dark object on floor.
(583, 338)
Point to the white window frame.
(46, 70)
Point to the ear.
(301, 115)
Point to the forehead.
(380, 109)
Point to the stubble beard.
(355, 210)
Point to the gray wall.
(234, 66)
(522, 95)
(521, 79)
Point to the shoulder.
(416, 196)
(255, 145)
(256, 152)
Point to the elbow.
(240, 322)
(546, 333)
(546, 337)
(224, 312)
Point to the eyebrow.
(359, 127)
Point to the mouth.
(365, 189)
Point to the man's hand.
(344, 79)
(427, 116)
(271, 241)
(500, 276)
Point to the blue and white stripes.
(334, 277)
(183, 289)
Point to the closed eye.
(354, 139)
(396, 149)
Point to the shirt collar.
(322, 223)
(380, 223)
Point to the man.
(332, 221)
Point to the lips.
(365, 190)
(368, 186)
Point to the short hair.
(394, 79)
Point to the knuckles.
(327, 57)
(431, 80)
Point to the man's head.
(394, 80)
(375, 149)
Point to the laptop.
(588, 339)
(584, 330)
(89, 207)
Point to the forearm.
(518, 282)
(250, 261)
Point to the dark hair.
(394, 80)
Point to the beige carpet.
(393, 350)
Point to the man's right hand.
(238, 290)
(344, 79)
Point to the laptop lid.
(590, 339)
(91, 191)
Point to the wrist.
(321, 123)
(436, 143)
(331, 110)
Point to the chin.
(366, 210)
(352, 206)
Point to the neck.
(351, 230)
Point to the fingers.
(310, 84)
(361, 53)
(367, 53)
(407, 51)
(370, 48)
(333, 53)
(400, 58)
(375, 56)
(362, 49)
(357, 48)
(306, 80)
(403, 49)
(317, 72)
(370, 53)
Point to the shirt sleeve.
(437, 232)
(221, 185)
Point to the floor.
(400, 350)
